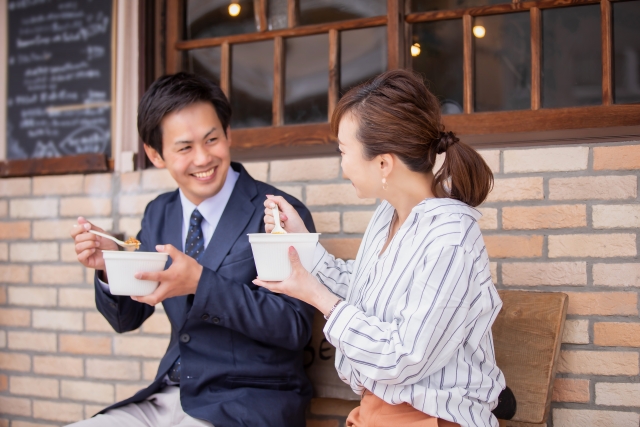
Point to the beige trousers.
(162, 409)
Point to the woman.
(411, 317)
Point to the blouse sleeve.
(332, 272)
(432, 320)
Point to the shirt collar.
(436, 206)
(211, 208)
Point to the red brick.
(36, 341)
(79, 344)
(15, 230)
(34, 386)
(15, 362)
(57, 365)
(603, 303)
(598, 362)
(590, 418)
(87, 391)
(616, 334)
(57, 411)
(571, 390)
(536, 217)
(15, 317)
(15, 406)
(626, 157)
(14, 273)
(501, 246)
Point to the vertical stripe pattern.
(415, 323)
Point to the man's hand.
(180, 279)
(89, 247)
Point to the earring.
(384, 183)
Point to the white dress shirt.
(415, 323)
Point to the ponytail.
(464, 175)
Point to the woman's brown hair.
(397, 114)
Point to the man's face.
(195, 150)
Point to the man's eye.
(184, 148)
(211, 140)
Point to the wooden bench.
(527, 335)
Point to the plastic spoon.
(276, 217)
(129, 246)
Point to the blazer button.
(215, 320)
(205, 317)
(185, 338)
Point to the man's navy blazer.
(241, 346)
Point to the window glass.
(277, 14)
(215, 18)
(437, 54)
(363, 55)
(321, 11)
(252, 84)
(626, 42)
(306, 79)
(204, 62)
(571, 57)
(427, 5)
(502, 62)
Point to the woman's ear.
(386, 163)
(154, 156)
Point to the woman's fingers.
(272, 286)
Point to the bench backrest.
(527, 335)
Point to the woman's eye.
(338, 150)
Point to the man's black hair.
(173, 93)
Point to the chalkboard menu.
(59, 78)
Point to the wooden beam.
(225, 69)
(278, 81)
(438, 15)
(607, 54)
(536, 58)
(292, 135)
(293, 13)
(334, 70)
(173, 24)
(307, 30)
(467, 64)
(260, 11)
(82, 163)
(395, 34)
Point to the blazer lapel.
(234, 220)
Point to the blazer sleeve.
(123, 313)
(257, 313)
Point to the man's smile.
(205, 174)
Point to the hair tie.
(447, 139)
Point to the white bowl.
(271, 253)
(121, 267)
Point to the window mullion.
(607, 57)
(278, 81)
(334, 70)
(293, 13)
(536, 57)
(395, 34)
(174, 23)
(225, 69)
(260, 8)
(467, 63)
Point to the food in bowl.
(271, 253)
(122, 266)
(133, 241)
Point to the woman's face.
(365, 175)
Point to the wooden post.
(278, 81)
(395, 34)
(607, 55)
(536, 58)
(334, 70)
(225, 69)
(173, 22)
(467, 66)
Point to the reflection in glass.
(502, 62)
(363, 55)
(251, 84)
(277, 14)
(426, 5)
(212, 18)
(321, 11)
(204, 62)
(440, 60)
(571, 57)
(306, 79)
(626, 43)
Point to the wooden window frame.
(535, 126)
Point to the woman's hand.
(289, 218)
(302, 285)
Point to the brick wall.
(561, 219)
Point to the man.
(236, 352)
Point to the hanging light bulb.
(234, 9)
(415, 49)
(479, 31)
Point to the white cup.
(271, 253)
(122, 266)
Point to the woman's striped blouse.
(415, 323)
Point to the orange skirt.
(375, 412)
